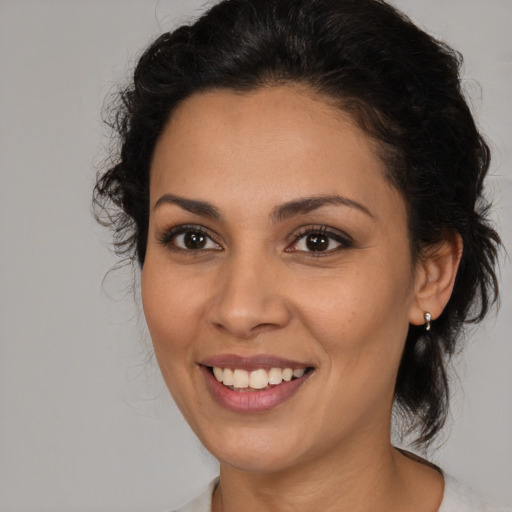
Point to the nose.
(248, 298)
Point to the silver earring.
(428, 318)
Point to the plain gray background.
(85, 421)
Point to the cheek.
(172, 312)
(351, 303)
(359, 342)
(359, 320)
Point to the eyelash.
(170, 235)
(346, 242)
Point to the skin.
(256, 288)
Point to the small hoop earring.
(428, 318)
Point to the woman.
(301, 183)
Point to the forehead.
(275, 141)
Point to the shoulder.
(201, 503)
(459, 497)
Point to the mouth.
(256, 384)
(261, 379)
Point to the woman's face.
(276, 242)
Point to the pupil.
(317, 242)
(194, 240)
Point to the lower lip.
(251, 401)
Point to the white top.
(457, 498)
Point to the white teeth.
(275, 376)
(240, 379)
(287, 374)
(219, 374)
(228, 377)
(257, 379)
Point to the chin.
(255, 451)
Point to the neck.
(380, 480)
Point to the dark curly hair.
(398, 83)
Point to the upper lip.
(264, 361)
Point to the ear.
(435, 276)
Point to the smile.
(238, 379)
(254, 384)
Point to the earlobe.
(435, 278)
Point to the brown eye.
(320, 240)
(317, 242)
(194, 240)
(187, 238)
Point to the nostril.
(247, 304)
(244, 329)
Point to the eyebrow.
(308, 204)
(278, 214)
(194, 206)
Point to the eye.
(319, 240)
(316, 242)
(189, 238)
(194, 240)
